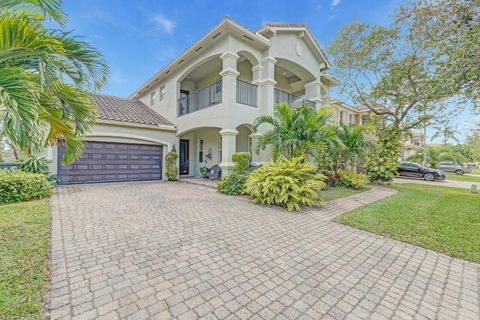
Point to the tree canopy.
(46, 76)
(405, 71)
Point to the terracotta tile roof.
(127, 110)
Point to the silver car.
(454, 167)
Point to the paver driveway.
(175, 250)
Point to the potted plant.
(203, 171)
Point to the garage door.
(110, 162)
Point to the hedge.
(16, 186)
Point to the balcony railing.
(246, 93)
(200, 99)
(290, 99)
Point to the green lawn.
(337, 192)
(24, 238)
(443, 219)
(463, 178)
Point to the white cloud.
(335, 3)
(166, 24)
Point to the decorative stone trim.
(258, 67)
(255, 135)
(229, 54)
(313, 83)
(269, 59)
(228, 132)
(229, 72)
(267, 81)
(316, 99)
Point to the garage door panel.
(109, 162)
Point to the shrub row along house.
(203, 105)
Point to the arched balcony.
(291, 83)
(201, 87)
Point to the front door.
(184, 156)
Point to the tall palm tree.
(446, 131)
(295, 131)
(46, 77)
(353, 145)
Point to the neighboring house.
(413, 143)
(346, 114)
(211, 94)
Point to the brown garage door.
(109, 162)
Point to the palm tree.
(353, 145)
(446, 131)
(46, 76)
(295, 131)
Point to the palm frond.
(49, 8)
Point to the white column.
(256, 76)
(267, 85)
(229, 141)
(229, 75)
(266, 98)
(313, 92)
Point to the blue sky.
(139, 37)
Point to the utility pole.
(424, 142)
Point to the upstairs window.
(152, 98)
(161, 93)
(350, 119)
(340, 117)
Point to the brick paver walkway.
(175, 250)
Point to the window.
(350, 119)
(340, 117)
(152, 98)
(200, 151)
(364, 119)
(161, 93)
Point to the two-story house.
(203, 104)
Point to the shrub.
(242, 161)
(233, 184)
(18, 186)
(383, 162)
(171, 166)
(333, 179)
(35, 165)
(352, 179)
(289, 183)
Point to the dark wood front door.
(184, 156)
(110, 162)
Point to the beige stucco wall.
(242, 139)
(210, 137)
(336, 108)
(288, 49)
(245, 69)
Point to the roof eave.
(308, 32)
(226, 23)
(138, 125)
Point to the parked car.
(414, 170)
(454, 167)
(10, 165)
